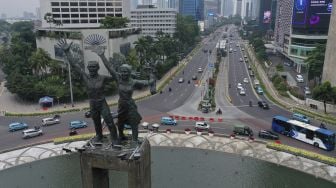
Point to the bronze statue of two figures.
(127, 109)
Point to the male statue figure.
(127, 109)
(95, 88)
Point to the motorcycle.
(219, 112)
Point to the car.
(301, 117)
(50, 121)
(15, 126)
(194, 77)
(29, 133)
(287, 64)
(246, 80)
(268, 134)
(181, 80)
(242, 49)
(239, 86)
(299, 78)
(259, 90)
(249, 67)
(77, 124)
(263, 104)
(205, 110)
(199, 70)
(245, 56)
(168, 121)
(307, 90)
(242, 91)
(202, 125)
(251, 73)
(242, 130)
(241, 59)
(234, 50)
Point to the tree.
(325, 93)
(114, 22)
(132, 59)
(315, 61)
(40, 61)
(49, 18)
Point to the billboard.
(267, 17)
(312, 14)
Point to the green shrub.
(295, 91)
(280, 68)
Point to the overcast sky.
(17, 7)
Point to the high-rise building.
(329, 66)
(283, 25)
(3, 16)
(78, 13)
(246, 9)
(152, 19)
(194, 8)
(237, 7)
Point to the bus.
(319, 137)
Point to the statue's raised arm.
(100, 52)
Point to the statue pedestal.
(106, 167)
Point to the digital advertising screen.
(267, 17)
(311, 13)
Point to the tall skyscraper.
(194, 8)
(237, 7)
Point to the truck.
(242, 130)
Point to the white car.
(181, 80)
(202, 125)
(239, 86)
(307, 90)
(241, 59)
(242, 91)
(29, 133)
(299, 78)
(200, 69)
(50, 121)
(246, 80)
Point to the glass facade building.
(194, 8)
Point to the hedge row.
(75, 138)
(303, 153)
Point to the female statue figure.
(95, 88)
(127, 109)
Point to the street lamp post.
(70, 83)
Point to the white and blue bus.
(304, 132)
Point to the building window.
(73, 4)
(93, 21)
(83, 4)
(92, 10)
(117, 4)
(74, 16)
(101, 9)
(84, 21)
(118, 15)
(74, 21)
(294, 51)
(112, 15)
(92, 4)
(83, 9)
(109, 9)
(56, 16)
(92, 15)
(54, 3)
(65, 16)
(118, 9)
(101, 15)
(101, 4)
(65, 21)
(109, 4)
(74, 9)
(64, 9)
(83, 15)
(64, 3)
(55, 10)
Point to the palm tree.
(39, 62)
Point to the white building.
(151, 19)
(83, 13)
(237, 7)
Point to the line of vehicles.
(37, 130)
(296, 127)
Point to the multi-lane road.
(160, 104)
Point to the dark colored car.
(87, 114)
(194, 77)
(268, 135)
(263, 104)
